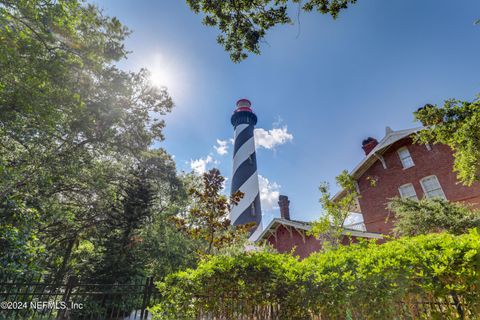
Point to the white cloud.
(269, 139)
(224, 184)
(199, 166)
(269, 192)
(221, 147)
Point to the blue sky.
(324, 86)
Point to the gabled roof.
(303, 225)
(390, 138)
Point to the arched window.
(432, 188)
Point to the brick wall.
(286, 240)
(438, 161)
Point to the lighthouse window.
(242, 104)
(253, 209)
(250, 159)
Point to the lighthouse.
(245, 176)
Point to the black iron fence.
(233, 307)
(40, 299)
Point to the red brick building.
(288, 235)
(397, 167)
(392, 167)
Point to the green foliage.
(373, 281)
(244, 24)
(432, 215)
(330, 224)
(223, 282)
(207, 216)
(456, 124)
(18, 242)
(360, 281)
(78, 177)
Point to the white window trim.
(407, 184)
(400, 157)
(425, 193)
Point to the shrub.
(223, 285)
(428, 276)
(388, 281)
(414, 217)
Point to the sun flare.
(165, 72)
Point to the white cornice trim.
(306, 226)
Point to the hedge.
(424, 277)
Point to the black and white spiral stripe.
(245, 177)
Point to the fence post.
(66, 295)
(147, 291)
(458, 305)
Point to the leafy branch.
(244, 24)
(330, 224)
(207, 218)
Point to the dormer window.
(405, 158)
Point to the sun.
(162, 75)
(167, 72)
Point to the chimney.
(284, 204)
(369, 144)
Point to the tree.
(432, 215)
(71, 127)
(456, 124)
(138, 219)
(244, 24)
(207, 216)
(330, 224)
